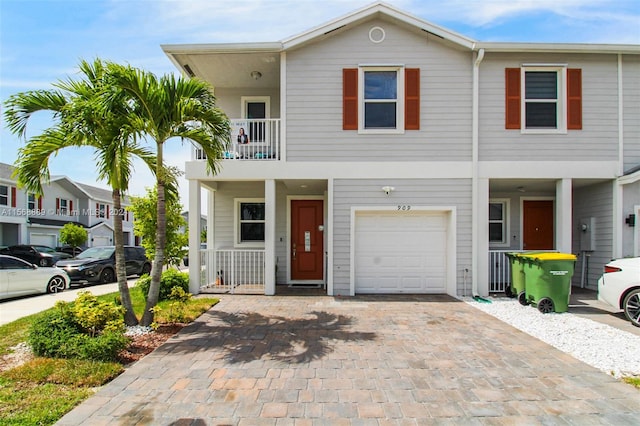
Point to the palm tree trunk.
(121, 267)
(161, 240)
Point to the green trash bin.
(516, 288)
(548, 280)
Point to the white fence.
(263, 143)
(232, 271)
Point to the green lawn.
(41, 391)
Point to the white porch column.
(564, 215)
(270, 237)
(480, 251)
(194, 236)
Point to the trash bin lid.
(552, 256)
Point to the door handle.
(294, 251)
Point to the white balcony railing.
(232, 271)
(264, 141)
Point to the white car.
(619, 286)
(19, 277)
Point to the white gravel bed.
(602, 346)
(137, 330)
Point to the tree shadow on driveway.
(245, 337)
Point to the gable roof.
(377, 10)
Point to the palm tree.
(172, 107)
(82, 121)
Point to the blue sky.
(42, 41)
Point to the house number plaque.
(405, 207)
(307, 240)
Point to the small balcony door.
(256, 108)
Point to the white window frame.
(64, 211)
(102, 211)
(561, 101)
(506, 231)
(32, 201)
(237, 222)
(6, 196)
(399, 70)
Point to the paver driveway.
(280, 360)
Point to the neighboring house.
(203, 222)
(390, 155)
(26, 219)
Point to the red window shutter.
(39, 203)
(97, 209)
(512, 98)
(70, 207)
(350, 99)
(57, 205)
(574, 99)
(412, 99)
(106, 207)
(14, 194)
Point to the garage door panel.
(396, 252)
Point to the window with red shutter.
(350, 99)
(412, 99)
(574, 99)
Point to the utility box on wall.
(587, 230)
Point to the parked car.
(36, 254)
(98, 264)
(19, 277)
(619, 286)
(72, 250)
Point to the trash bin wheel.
(522, 298)
(545, 305)
(508, 292)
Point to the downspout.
(475, 126)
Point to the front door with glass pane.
(256, 112)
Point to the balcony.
(264, 141)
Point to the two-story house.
(27, 219)
(379, 153)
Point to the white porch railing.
(500, 269)
(232, 271)
(264, 141)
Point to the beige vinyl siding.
(594, 201)
(631, 102)
(414, 192)
(598, 139)
(314, 98)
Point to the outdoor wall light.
(387, 189)
(256, 75)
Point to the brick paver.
(387, 360)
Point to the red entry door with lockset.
(537, 218)
(307, 240)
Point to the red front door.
(307, 241)
(537, 219)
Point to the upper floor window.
(4, 195)
(102, 210)
(250, 222)
(381, 99)
(64, 206)
(543, 99)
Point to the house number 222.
(404, 207)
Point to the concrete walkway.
(387, 360)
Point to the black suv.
(98, 264)
(36, 254)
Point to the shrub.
(170, 279)
(84, 329)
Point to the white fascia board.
(631, 49)
(628, 179)
(548, 169)
(204, 48)
(368, 11)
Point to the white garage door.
(42, 240)
(100, 241)
(400, 252)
